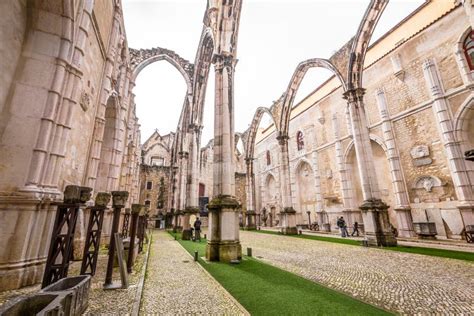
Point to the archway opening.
(107, 165)
(160, 92)
(312, 80)
(305, 194)
(382, 172)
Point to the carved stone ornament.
(427, 183)
(102, 199)
(119, 198)
(86, 194)
(85, 101)
(420, 155)
(420, 151)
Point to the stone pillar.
(287, 213)
(452, 148)
(402, 208)
(346, 185)
(223, 237)
(251, 213)
(374, 210)
(192, 200)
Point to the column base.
(187, 234)
(288, 221)
(289, 231)
(223, 251)
(378, 230)
(381, 240)
(251, 220)
(223, 239)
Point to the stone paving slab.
(401, 282)
(176, 285)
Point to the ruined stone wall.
(59, 71)
(399, 74)
(154, 174)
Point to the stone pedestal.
(187, 231)
(223, 236)
(376, 223)
(251, 222)
(288, 221)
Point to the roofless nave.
(381, 143)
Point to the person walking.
(341, 223)
(355, 229)
(197, 229)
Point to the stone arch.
(295, 82)
(464, 130)
(361, 42)
(305, 190)
(382, 167)
(240, 137)
(105, 172)
(140, 58)
(271, 200)
(252, 133)
(201, 74)
(466, 73)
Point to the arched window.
(269, 158)
(299, 140)
(469, 50)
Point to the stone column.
(288, 213)
(223, 238)
(452, 148)
(346, 185)
(192, 200)
(402, 208)
(374, 210)
(250, 187)
(184, 216)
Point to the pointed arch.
(361, 42)
(140, 58)
(201, 74)
(295, 82)
(252, 132)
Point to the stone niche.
(429, 188)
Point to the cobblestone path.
(401, 282)
(176, 285)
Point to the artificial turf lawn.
(460, 255)
(266, 290)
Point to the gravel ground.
(175, 285)
(401, 282)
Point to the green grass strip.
(434, 252)
(266, 290)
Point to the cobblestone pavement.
(109, 302)
(175, 285)
(400, 282)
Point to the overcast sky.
(274, 36)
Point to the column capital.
(223, 60)
(249, 160)
(354, 95)
(282, 138)
(183, 154)
(119, 198)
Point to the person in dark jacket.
(197, 229)
(355, 229)
(341, 223)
